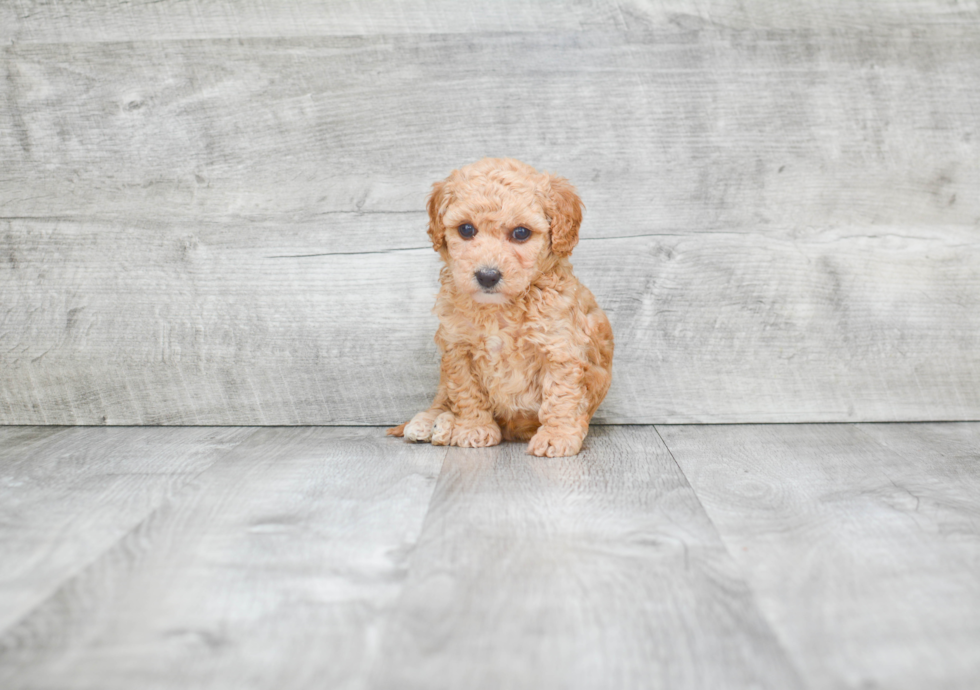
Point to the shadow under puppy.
(526, 351)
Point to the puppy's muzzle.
(488, 277)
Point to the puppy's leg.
(473, 425)
(564, 412)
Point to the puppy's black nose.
(488, 277)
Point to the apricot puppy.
(526, 351)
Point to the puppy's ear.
(565, 209)
(438, 201)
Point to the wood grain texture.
(32, 21)
(817, 556)
(208, 228)
(206, 326)
(599, 570)
(273, 570)
(861, 544)
(661, 131)
(68, 495)
(37, 21)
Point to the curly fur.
(529, 359)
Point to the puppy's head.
(499, 223)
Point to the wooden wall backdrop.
(212, 212)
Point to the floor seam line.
(385, 622)
(790, 658)
(101, 554)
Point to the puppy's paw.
(554, 443)
(470, 436)
(442, 429)
(419, 429)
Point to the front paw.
(419, 429)
(442, 429)
(554, 443)
(475, 436)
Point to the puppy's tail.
(397, 431)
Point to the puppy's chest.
(505, 348)
(508, 362)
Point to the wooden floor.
(770, 556)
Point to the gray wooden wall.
(212, 212)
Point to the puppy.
(526, 351)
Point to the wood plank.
(216, 326)
(16, 441)
(68, 495)
(274, 570)
(822, 326)
(955, 447)
(661, 130)
(36, 21)
(595, 571)
(32, 21)
(863, 553)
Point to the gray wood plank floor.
(766, 556)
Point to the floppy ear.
(566, 216)
(438, 201)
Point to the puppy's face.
(496, 240)
(499, 224)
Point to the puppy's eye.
(520, 234)
(467, 231)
